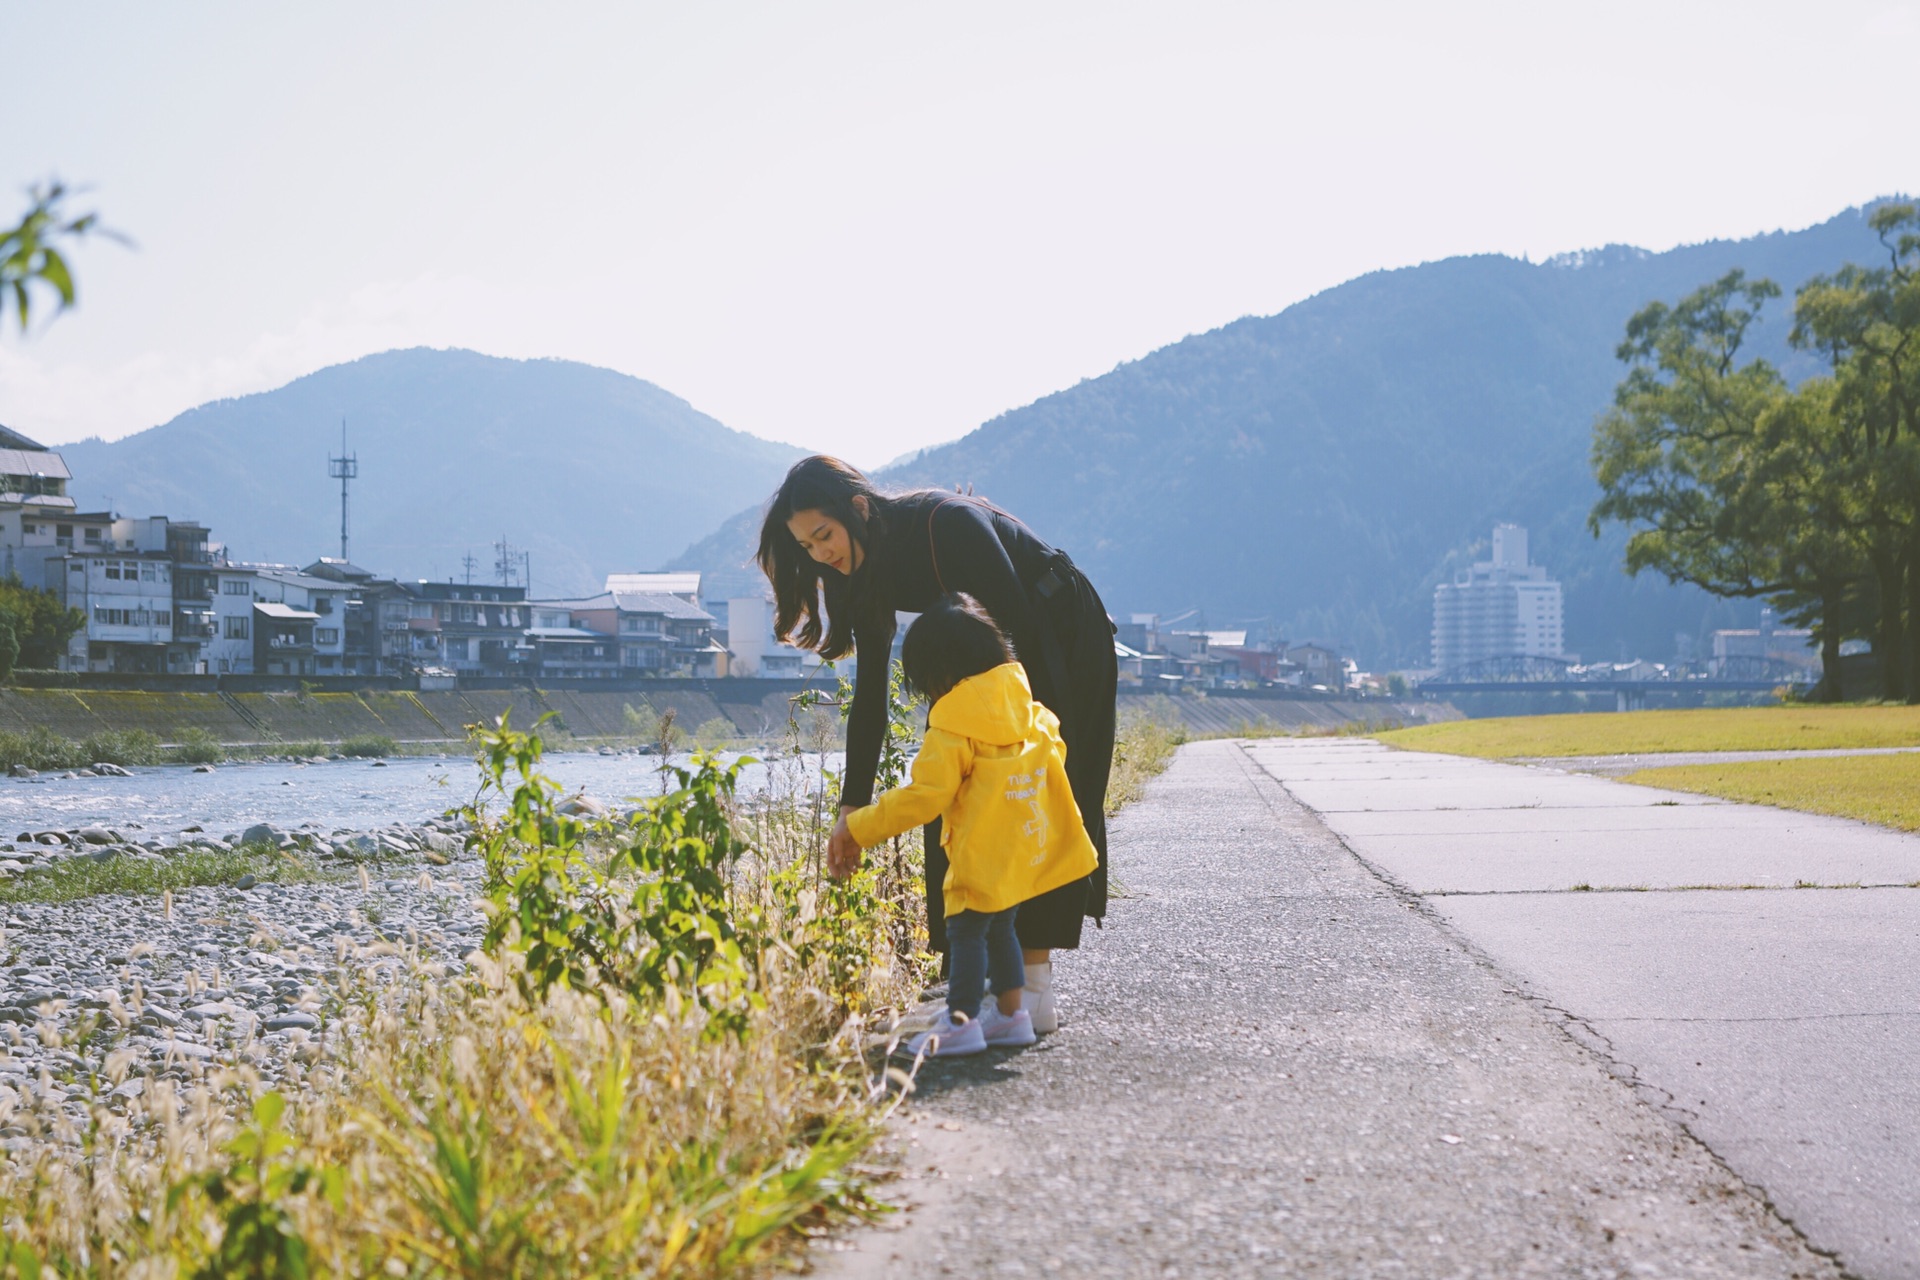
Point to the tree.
(30, 253)
(41, 624)
(1867, 323)
(1732, 479)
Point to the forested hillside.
(1320, 470)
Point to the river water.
(357, 794)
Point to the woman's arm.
(867, 718)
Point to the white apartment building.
(1503, 607)
(127, 597)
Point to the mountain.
(1319, 471)
(588, 470)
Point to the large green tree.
(1866, 321)
(1721, 468)
(1808, 495)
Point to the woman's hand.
(843, 851)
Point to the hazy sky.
(867, 228)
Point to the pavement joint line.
(1579, 1030)
(1671, 888)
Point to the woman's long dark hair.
(815, 607)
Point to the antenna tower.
(343, 468)
(506, 562)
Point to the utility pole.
(343, 468)
(467, 562)
(505, 562)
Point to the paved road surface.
(1278, 1063)
(1782, 1028)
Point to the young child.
(994, 768)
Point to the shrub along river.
(332, 793)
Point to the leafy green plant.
(197, 746)
(259, 1239)
(653, 918)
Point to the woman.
(843, 558)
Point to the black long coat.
(938, 543)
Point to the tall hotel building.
(1503, 607)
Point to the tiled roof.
(665, 605)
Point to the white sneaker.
(1006, 1030)
(1040, 1006)
(949, 1039)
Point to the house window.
(323, 604)
(236, 628)
(63, 530)
(146, 573)
(465, 613)
(236, 587)
(93, 535)
(326, 635)
(29, 528)
(112, 568)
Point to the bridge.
(1527, 674)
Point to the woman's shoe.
(1039, 1004)
(948, 1038)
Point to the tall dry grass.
(480, 1120)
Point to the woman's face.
(826, 540)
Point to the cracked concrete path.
(1275, 1062)
(1780, 1028)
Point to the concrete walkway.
(1780, 1028)
(1277, 1062)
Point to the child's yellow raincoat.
(995, 768)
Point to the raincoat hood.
(995, 706)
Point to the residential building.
(325, 598)
(229, 650)
(283, 639)
(753, 647)
(127, 598)
(684, 585)
(479, 626)
(1503, 607)
(656, 633)
(1319, 666)
(36, 515)
(187, 548)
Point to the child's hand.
(843, 852)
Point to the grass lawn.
(1798, 727)
(1882, 789)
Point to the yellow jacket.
(995, 768)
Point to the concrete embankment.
(755, 708)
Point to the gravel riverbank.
(171, 984)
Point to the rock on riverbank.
(227, 975)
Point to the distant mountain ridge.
(1319, 471)
(588, 470)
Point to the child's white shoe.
(948, 1038)
(1039, 999)
(1006, 1030)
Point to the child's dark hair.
(950, 642)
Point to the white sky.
(868, 228)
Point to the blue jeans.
(979, 944)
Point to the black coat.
(938, 543)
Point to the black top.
(937, 543)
